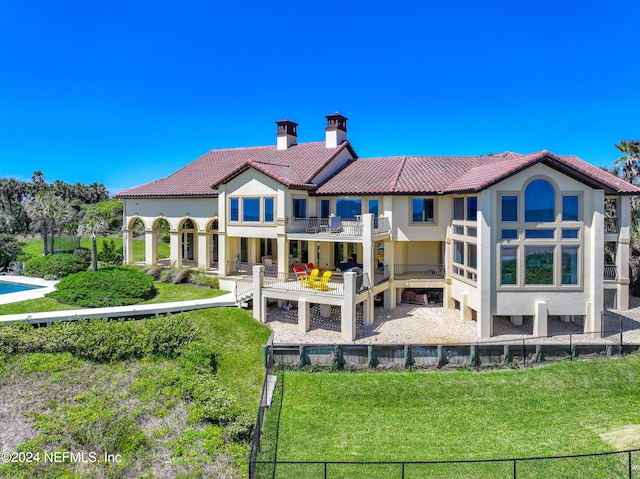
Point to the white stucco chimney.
(336, 131)
(287, 134)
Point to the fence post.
(515, 462)
(441, 359)
(407, 356)
(524, 352)
(630, 466)
(621, 336)
(539, 356)
(507, 355)
(303, 356)
(371, 360)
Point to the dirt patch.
(625, 437)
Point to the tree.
(631, 159)
(48, 213)
(92, 226)
(10, 249)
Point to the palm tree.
(630, 160)
(92, 226)
(47, 212)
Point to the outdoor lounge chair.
(334, 224)
(310, 280)
(300, 272)
(323, 283)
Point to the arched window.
(188, 225)
(539, 202)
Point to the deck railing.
(610, 272)
(341, 228)
(419, 271)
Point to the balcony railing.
(610, 272)
(334, 227)
(419, 271)
(334, 286)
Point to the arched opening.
(161, 240)
(187, 242)
(138, 241)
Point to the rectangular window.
(569, 265)
(234, 209)
(570, 233)
(299, 208)
(324, 208)
(508, 264)
(540, 234)
(472, 255)
(570, 208)
(422, 210)
(458, 252)
(509, 208)
(509, 234)
(268, 210)
(472, 208)
(250, 209)
(538, 265)
(458, 230)
(348, 207)
(373, 208)
(458, 208)
(472, 232)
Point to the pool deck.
(46, 287)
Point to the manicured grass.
(424, 416)
(34, 247)
(166, 293)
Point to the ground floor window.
(509, 265)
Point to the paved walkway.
(411, 324)
(114, 312)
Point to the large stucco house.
(504, 235)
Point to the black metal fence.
(622, 464)
(264, 402)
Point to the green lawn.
(426, 416)
(166, 293)
(34, 246)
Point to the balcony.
(334, 228)
(610, 272)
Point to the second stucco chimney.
(336, 131)
(287, 134)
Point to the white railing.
(610, 272)
(334, 226)
(419, 271)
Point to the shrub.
(105, 287)
(205, 281)
(10, 250)
(101, 340)
(54, 266)
(176, 275)
(155, 271)
(110, 253)
(84, 254)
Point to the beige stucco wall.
(174, 210)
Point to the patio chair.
(309, 267)
(300, 272)
(323, 283)
(310, 280)
(334, 224)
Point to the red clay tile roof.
(457, 174)
(294, 167)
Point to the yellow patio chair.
(310, 280)
(322, 284)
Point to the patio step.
(244, 298)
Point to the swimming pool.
(15, 287)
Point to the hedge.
(54, 266)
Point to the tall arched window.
(539, 202)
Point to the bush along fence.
(480, 355)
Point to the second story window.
(251, 209)
(299, 208)
(422, 210)
(373, 208)
(472, 208)
(268, 210)
(539, 202)
(348, 207)
(234, 209)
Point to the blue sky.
(126, 92)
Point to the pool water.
(15, 287)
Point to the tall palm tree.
(631, 159)
(47, 212)
(92, 226)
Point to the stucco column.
(540, 319)
(150, 247)
(222, 253)
(486, 281)
(174, 248)
(368, 261)
(203, 251)
(348, 313)
(283, 253)
(622, 253)
(389, 296)
(303, 316)
(258, 277)
(593, 317)
(127, 246)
